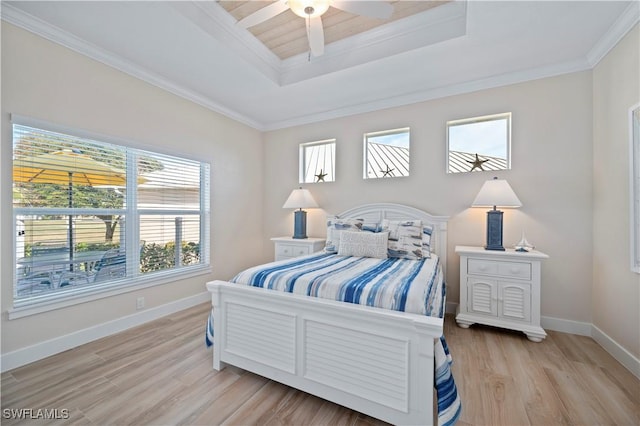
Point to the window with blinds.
(92, 215)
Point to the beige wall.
(616, 289)
(48, 82)
(564, 169)
(551, 174)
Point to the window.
(479, 144)
(93, 215)
(317, 161)
(386, 154)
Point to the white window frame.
(135, 281)
(485, 118)
(304, 166)
(395, 172)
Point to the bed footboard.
(371, 360)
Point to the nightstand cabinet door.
(482, 296)
(515, 301)
(501, 289)
(499, 299)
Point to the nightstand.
(288, 247)
(501, 289)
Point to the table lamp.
(495, 192)
(300, 199)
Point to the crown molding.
(414, 97)
(423, 29)
(17, 17)
(413, 32)
(618, 30)
(221, 26)
(272, 67)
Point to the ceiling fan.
(312, 10)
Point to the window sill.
(91, 294)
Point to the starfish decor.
(388, 172)
(477, 164)
(320, 176)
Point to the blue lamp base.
(494, 230)
(300, 225)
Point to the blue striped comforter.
(414, 286)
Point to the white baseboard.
(42, 350)
(566, 326)
(622, 355)
(47, 348)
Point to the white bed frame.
(374, 361)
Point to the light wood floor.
(161, 374)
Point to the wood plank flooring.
(161, 374)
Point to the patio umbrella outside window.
(67, 167)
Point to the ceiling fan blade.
(373, 9)
(263, 14)
(316, 36)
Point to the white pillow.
(364, 244)
(335, 227)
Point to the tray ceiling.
(195, 50)
(285, 34)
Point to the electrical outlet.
(140, 303)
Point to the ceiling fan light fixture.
(308, 8)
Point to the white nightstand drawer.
(288, 247)
(520, 270)
(515, 270)
(292, 250)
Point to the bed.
(382, 362)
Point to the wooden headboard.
(374, 213)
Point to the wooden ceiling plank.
(285, 34)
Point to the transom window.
(318, 161)
(479, 144)
(386, 154)
(92, 215)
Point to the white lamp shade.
(496, 192)
(300, 199)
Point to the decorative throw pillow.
(427, 230)
(371, 227)
(405, 238)
(335, 226)
(364, 244)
